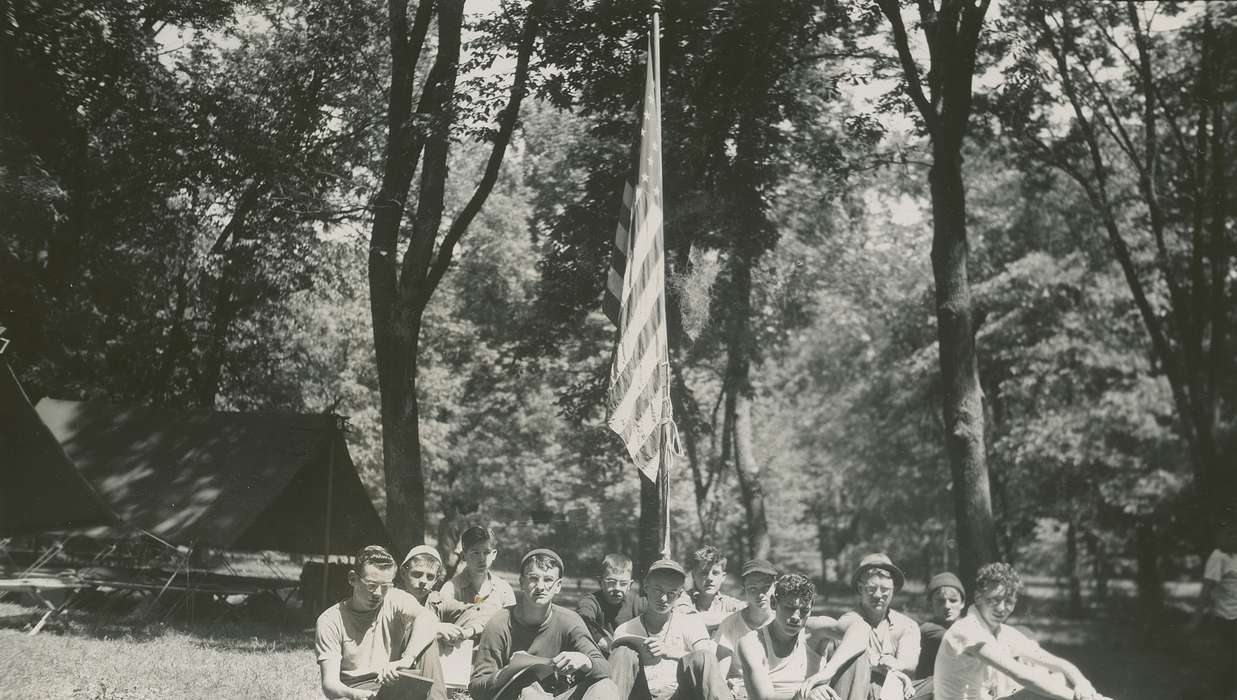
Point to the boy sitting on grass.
(606, 609)
(475, 584)
(982, 658)
(705, 599)
(758, 576)
(421, 569)
(778, 657)
(376, 630)
(666, 652)
(535, 649)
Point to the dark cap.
(547, 552)
(878, 561)
(757, 566)
(667, 565)
(944, 579)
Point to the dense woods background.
(900, 239)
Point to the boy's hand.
(450, 633)
(568, 662)
(655, 647)
(388, 672)
(823, 692)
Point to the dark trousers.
(699, 677)
(597, 690)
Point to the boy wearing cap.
(536, 626)
(420, 571)
(375, 630)
(666, 652)
(946, 598)
(880, 646)
(603, 610)
(708, 569)
(474, 584)
(758, 578)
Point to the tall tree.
(1148, 142)
(401, 285)
(952, 29)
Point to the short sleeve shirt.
(493, 591)
(364, 641)
(679, 635)
(959, 674)
(896, 635)
(1222, 569)
(727, 637)
(719, 608)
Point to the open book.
(522, 670)
(406, 686)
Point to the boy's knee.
(602, 689)
(698, 660)
(623, 656)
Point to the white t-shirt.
(727, 638)
(1222, 569)
(679, 635)
(363, 642)
(959, 675)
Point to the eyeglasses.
(616, 583)
(376, 586)
(874, 590)
(756, 590)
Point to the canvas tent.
(238, 481)
(39, 488)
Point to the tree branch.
(507, 120)
(914, 87)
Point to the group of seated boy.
(681, 637)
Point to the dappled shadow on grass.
(244, 637)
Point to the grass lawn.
(80, 655)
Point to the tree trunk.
(739, 397)
(401, 290)
(1149, 581)
(1099, 567)
(962, 398)
(1071, 569)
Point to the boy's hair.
(794, 587)
(476, 535)
(615, 564)
(993, 576)
(542, 560)
(373, 555)
(424, 559)
(707, 555)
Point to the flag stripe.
(639, 392)
(618, 257)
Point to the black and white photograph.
(618, 349)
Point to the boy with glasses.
(536, 649)
(376, 630)
(606, 609)
(880, 646)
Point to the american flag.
(639, 396)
